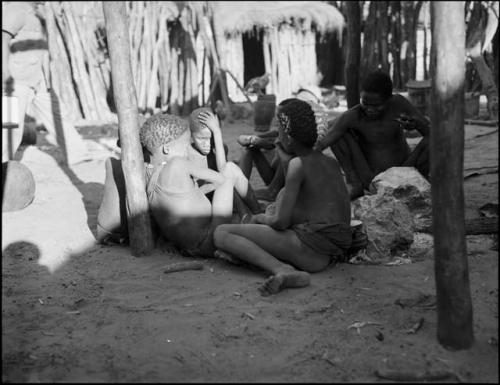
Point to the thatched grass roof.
(236, 17)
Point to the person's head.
(376, 90)
(165, 135)
(297, 124)
(200, 134)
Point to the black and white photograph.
(250, 191)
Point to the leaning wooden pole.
(139, 223)
(353, 16)
(454, 307)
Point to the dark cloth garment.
(204, 248)
(327, 239)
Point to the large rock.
(388, 224)
(405, 184)
(410, 187)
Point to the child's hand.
(209, 120)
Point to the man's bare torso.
(381, 140)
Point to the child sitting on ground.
(310, 227)
(183, 212)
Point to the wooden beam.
(353, 13)
(454, 307)
(473, 226)
(139, 222)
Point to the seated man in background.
(184, 214)
(369, 138)
(309, 229)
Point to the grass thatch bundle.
(239, 17)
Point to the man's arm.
(282, 217)
(416, 120)
(336, 129)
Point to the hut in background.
(186, 53)
(278, 38)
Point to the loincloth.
(205, 246)
(327, 239)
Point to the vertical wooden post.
(353, 13)
(454, 305)
(139, 223)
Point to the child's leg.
(265, 169)
(419, 158)
(222, 203)
(233, 173)
(277, 246)
(251, 156)
(272, 250)
(246, 161)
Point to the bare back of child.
(310, 228)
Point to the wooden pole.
(353, 13)
(454, 307)
(139, 222)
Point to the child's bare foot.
(282, 280)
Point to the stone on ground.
(388, 224)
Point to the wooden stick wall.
(177, 57)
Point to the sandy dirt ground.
(79, 312)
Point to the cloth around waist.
(325, 238)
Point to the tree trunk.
(353, 13)
(139, 221)
(454, 307)
(370, 47)
(60, 68)
(395, 46)
(411, 12)
(473, 226)
(383, 28)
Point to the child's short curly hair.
(303, 126)
(161, 129)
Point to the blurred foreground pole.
(353, 15)
(454, 305)
(139, 223)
